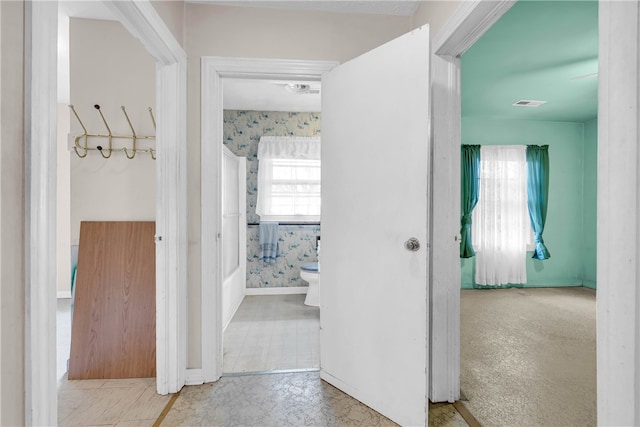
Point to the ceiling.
(269, 95)
(535, 52)
(264, 95)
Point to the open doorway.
(532, 80)
(362, 106)
(270, 323)
(235, 75)
(144, 23)
(98, 185)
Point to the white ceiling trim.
(376, 7)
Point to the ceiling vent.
(528, 103)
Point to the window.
(500, 226)
(289, 179)
(501, 217)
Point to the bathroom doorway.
(356, 332)
(267, 327)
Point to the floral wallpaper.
(241, 132)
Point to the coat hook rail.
(81, 142)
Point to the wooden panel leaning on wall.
(113, 331)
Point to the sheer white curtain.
(500, 220)
(288, 179)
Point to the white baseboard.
(193, 377)
(278, 291)
(233, 314)
(64, 294)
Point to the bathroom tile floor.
(275, 332)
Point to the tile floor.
(275, 332)
(293, 399)
(122, 402)
(290, 399)
(63, 336)
(528, 358)
(126, 402)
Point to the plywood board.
(113, 333)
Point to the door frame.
(618, 253)
(143, 22)
(468, 23)
(213, 70)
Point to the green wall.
(590, 181)
(565, 229)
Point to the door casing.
(618, 253)
(213, 70)
(467, 24)
(141, 19)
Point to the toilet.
(310, 273)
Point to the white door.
(375, 188)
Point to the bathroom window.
(289, 179)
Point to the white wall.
(110, 68)
(12, 279)
(63, 207)
(260, 33)
(63, 179)
(435, 13)
(172, 13)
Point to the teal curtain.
(470, 193)
(538, 194)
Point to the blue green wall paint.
(590, 184)
(535, 51)
(565, 232)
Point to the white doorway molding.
(144, 23)
(469, 22)
(213, 70)
(618, 301)
(618, 280)
(141, 19)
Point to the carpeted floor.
(528, 356)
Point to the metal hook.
(82, 147)
(79, 155)
(78, 117)
(99, 148)
(76, 145)
(97, 107)
(153, 119)
(133, 133)
(126, 116)
(126, 153)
